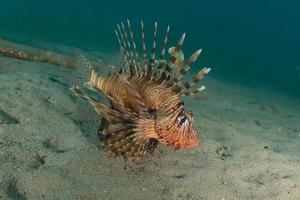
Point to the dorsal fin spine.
(187, 66)
(144, 45)
(122, 49)
(136, 56)
(124, 44)
(152, 56)
(164, 44)
(128, 45)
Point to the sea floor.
(250, 144)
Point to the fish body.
(145, 106)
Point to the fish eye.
(181, 119)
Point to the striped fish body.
(145, 108)
(139, 93)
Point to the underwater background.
(249, 42)
(247, 118)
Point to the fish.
(145, 106)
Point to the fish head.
(183, 133)
(186, 129)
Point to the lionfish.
(144, 96)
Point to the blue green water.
(247, 42)
(250, 136)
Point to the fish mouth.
(188, 144)
(192, 144)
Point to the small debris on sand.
(223, 152)
(268, 108)
(5, 118)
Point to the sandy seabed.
(250, 144)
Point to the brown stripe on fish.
(152, 145)
(185, 68)
(187, 85)
(168, 107)
(165, 74)
(177, 88)
(152, 57)
(185, 93)
(198, 89)
(193, 92)
(161, 64)
(200, 75)
(177, 57)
